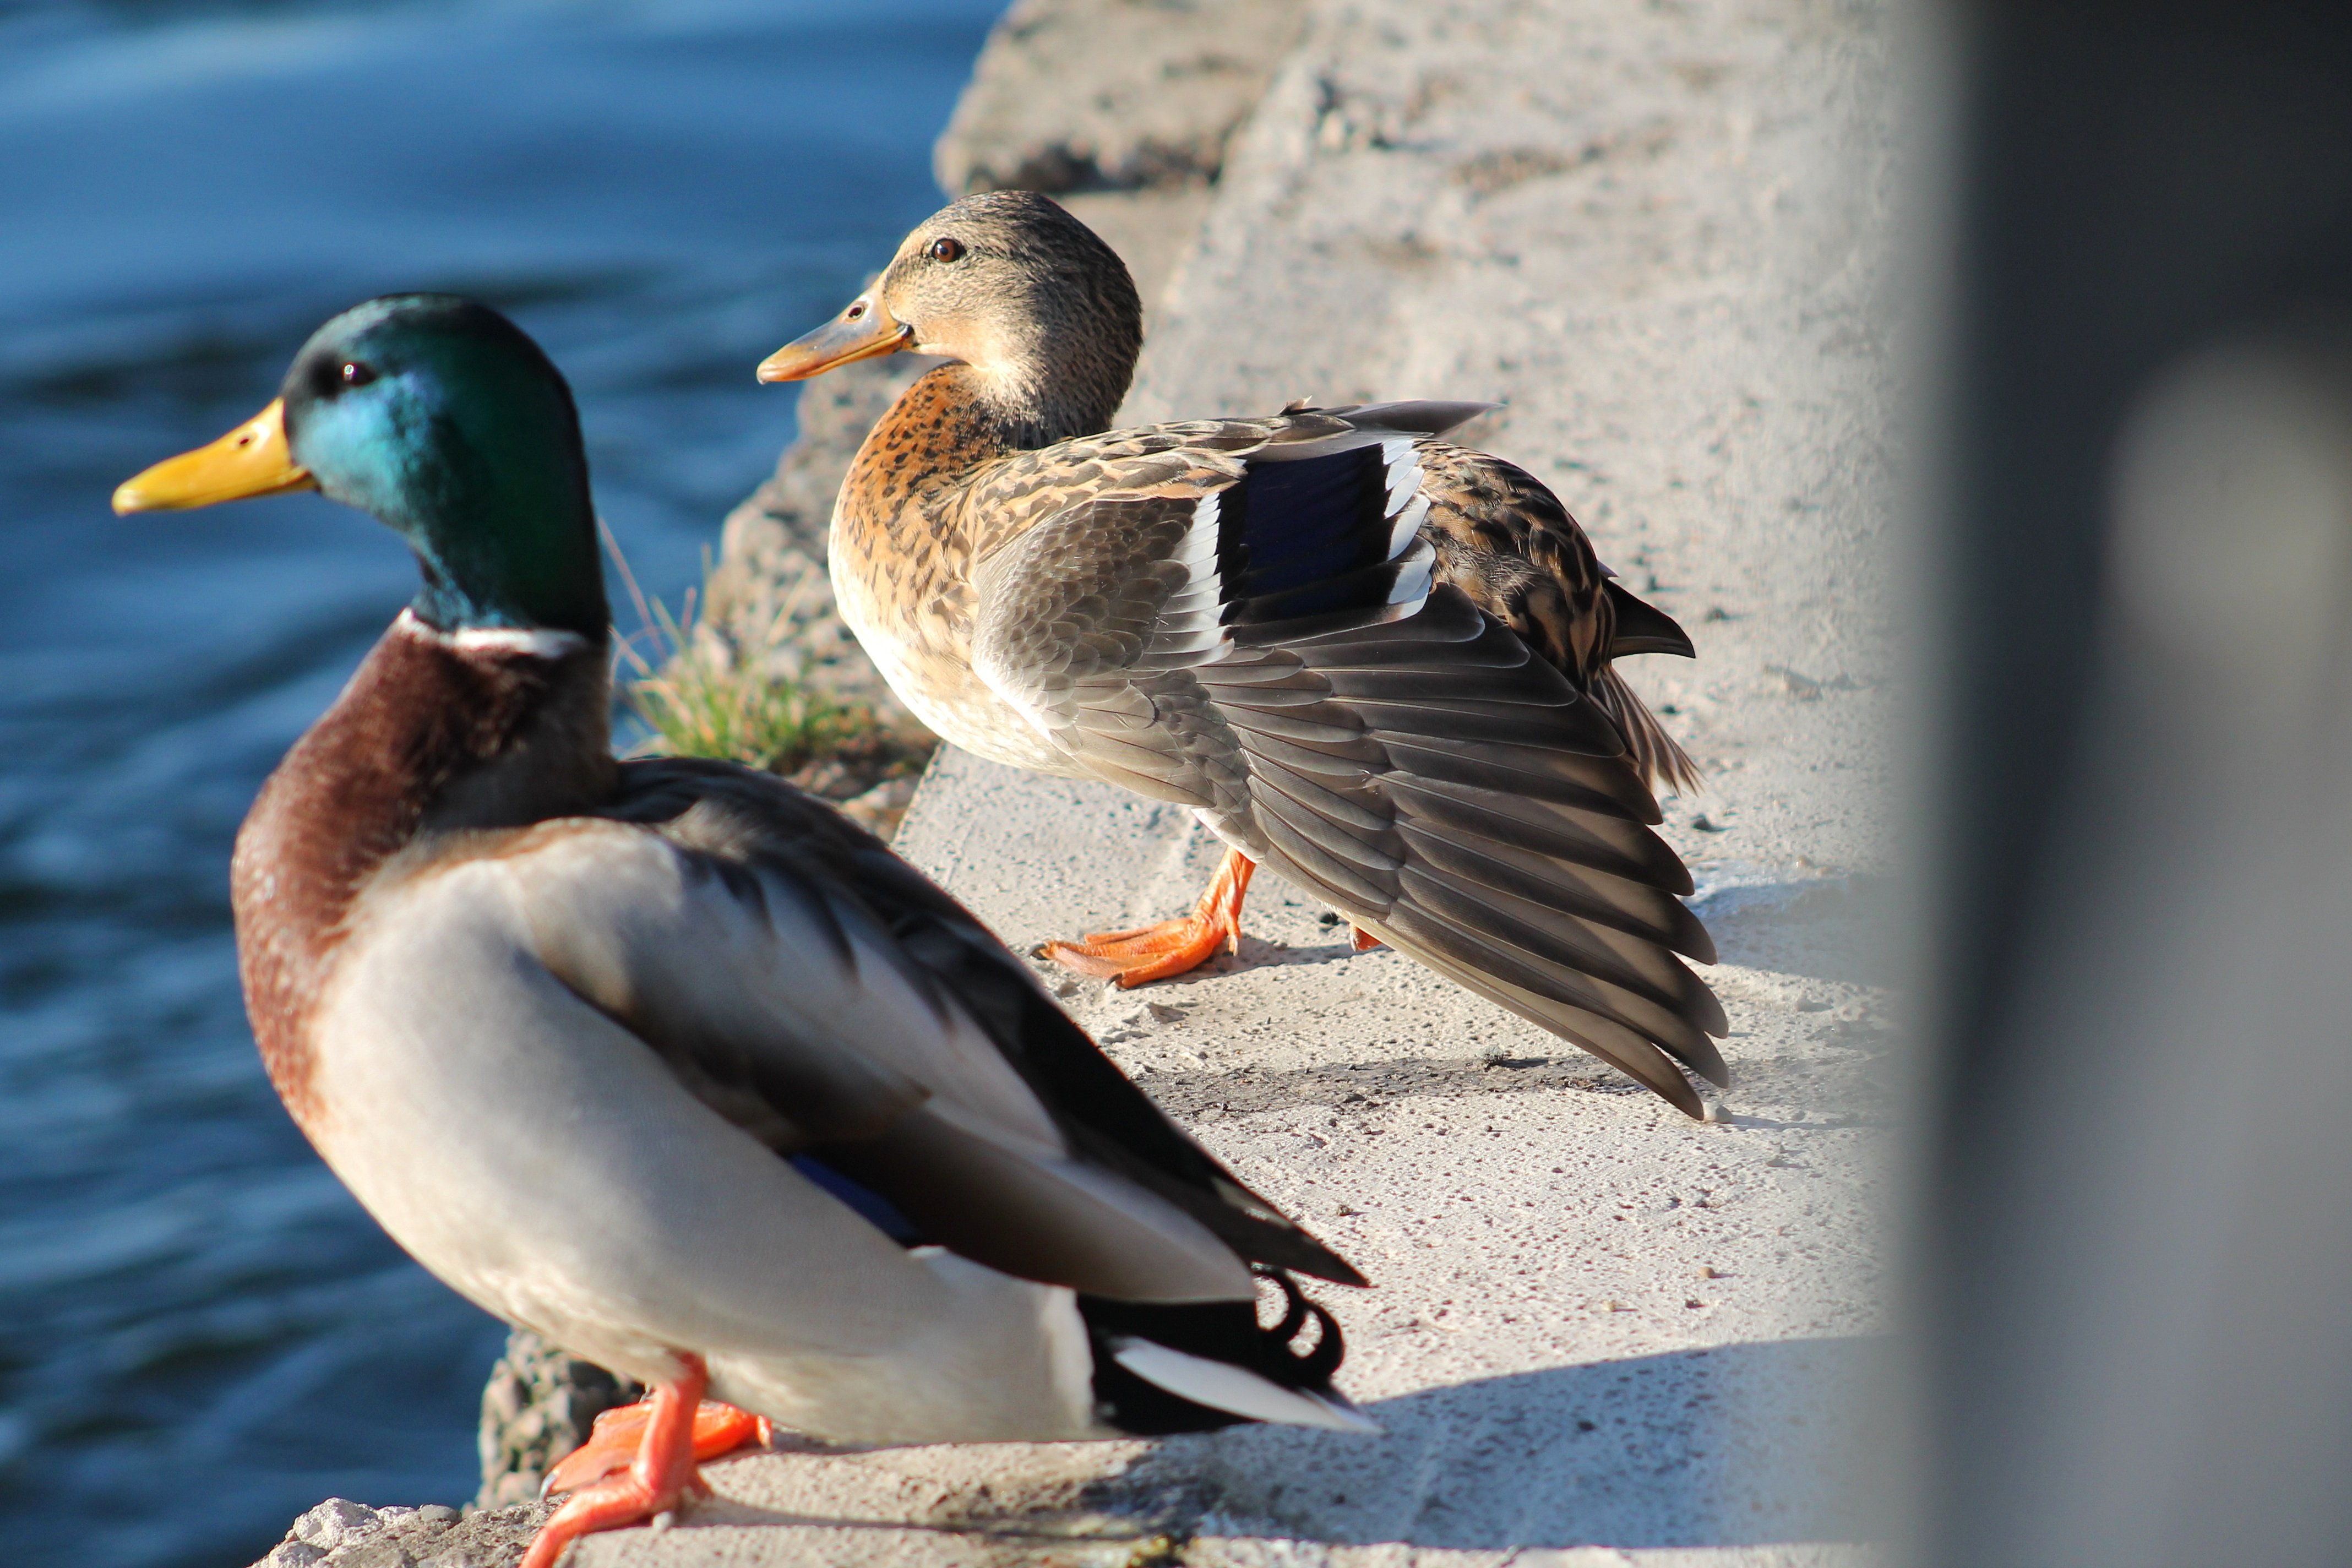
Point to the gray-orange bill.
(864, 331)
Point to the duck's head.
(1040, 309)
(439, 418)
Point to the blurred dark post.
(2138, 1224)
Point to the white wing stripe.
(1406, 527)
(1404, 473)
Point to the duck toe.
(613, 1444)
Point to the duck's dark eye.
(854, 311)
(356, 374)
(945, 249)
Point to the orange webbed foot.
(1361, 939)
(1151, 952)
(673, 1430)
(619, 1432)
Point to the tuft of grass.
(1162, 1551)
(696, 705)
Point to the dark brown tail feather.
(1662, 764)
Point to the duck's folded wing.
(1092, 625)
(814, 990)
(1274, 650)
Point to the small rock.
(540, 1404)
(338, 1521)
(1709, 1271)
(1164, 1013)
(879, 810)
(379, 1551)
(438, 1513)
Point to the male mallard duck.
(1377, 661)
(666, 1060)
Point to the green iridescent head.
(440, 418)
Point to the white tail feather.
(1236, 1390)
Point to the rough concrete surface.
(1600, 1333)
(1089, 95)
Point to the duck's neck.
(994, 411)
(947, 425)
(437, 731)
(1049, 383)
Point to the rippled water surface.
(203, 1333)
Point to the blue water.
(200, 1333)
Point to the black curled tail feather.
(1315, 1369)
(1226, 1332)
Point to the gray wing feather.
(789, 1010)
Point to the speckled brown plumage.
(1048, 325)
(1375, 660)
(1506, 540)
(935, 489)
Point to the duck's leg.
(658, 1477)
(614, 1442)
(1171, 947)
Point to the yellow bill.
(251, 461)
(862, 332)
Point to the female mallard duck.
(1376, 661)
(665, 1059)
